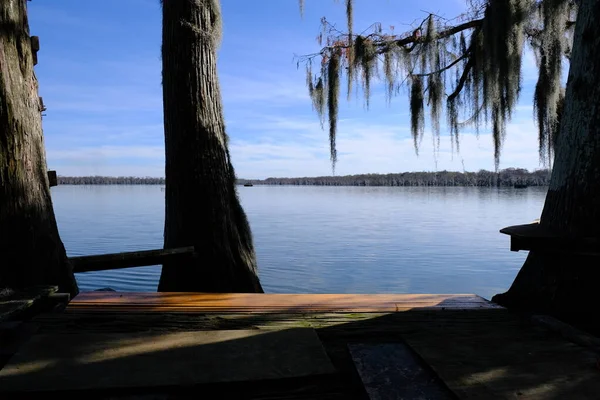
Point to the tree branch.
(445, 33)
(452, 64)
(383, 42)
(462, 80)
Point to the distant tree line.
(505, 177)
(109, 180)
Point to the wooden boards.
(477, 353)
(13, 304)
(261, 303)
(391, 371)
(539, 238)
(84, 361)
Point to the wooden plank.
(539, 238)
(392, 371)
(103, 361)
(369, 323)
(254, 302)
(16, 303)
(129, 259)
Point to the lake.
(312, 239)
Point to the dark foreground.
(176, 345)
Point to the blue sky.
(100, 77)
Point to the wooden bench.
(271, 303)
(130, 259)
(539, 238)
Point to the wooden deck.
(270, 303)
(430, 346)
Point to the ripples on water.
(323, 239)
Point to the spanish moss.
(350, 73)
(452, 117)
(365, 59)
(350, 49)
(497, 51)
(435, 85)
(390, 76)
(550, 47)
(309, 80)
(333, 94)
(417, 113)
(474, 66)
(318, 98)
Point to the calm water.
(323, 239)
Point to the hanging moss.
(318, 99)
(417, 110)
(365, 60)
(551, 46)
(350, 74)
(475, 66)
(309, 80)
(498, 50)
(435, 94)
(428, 49)
(435, 84)
(359, 51)
(452, 119)
(388, 71)
(333, 94)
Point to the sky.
(99, 70)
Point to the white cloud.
(379, 148)
(277, 90)
(108, 161)
(296, 147)
(103, 153)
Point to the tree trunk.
(202, 206)
(31, 252)
(567, 285)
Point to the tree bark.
(566, 285)
(202, 206)
(31, 251)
